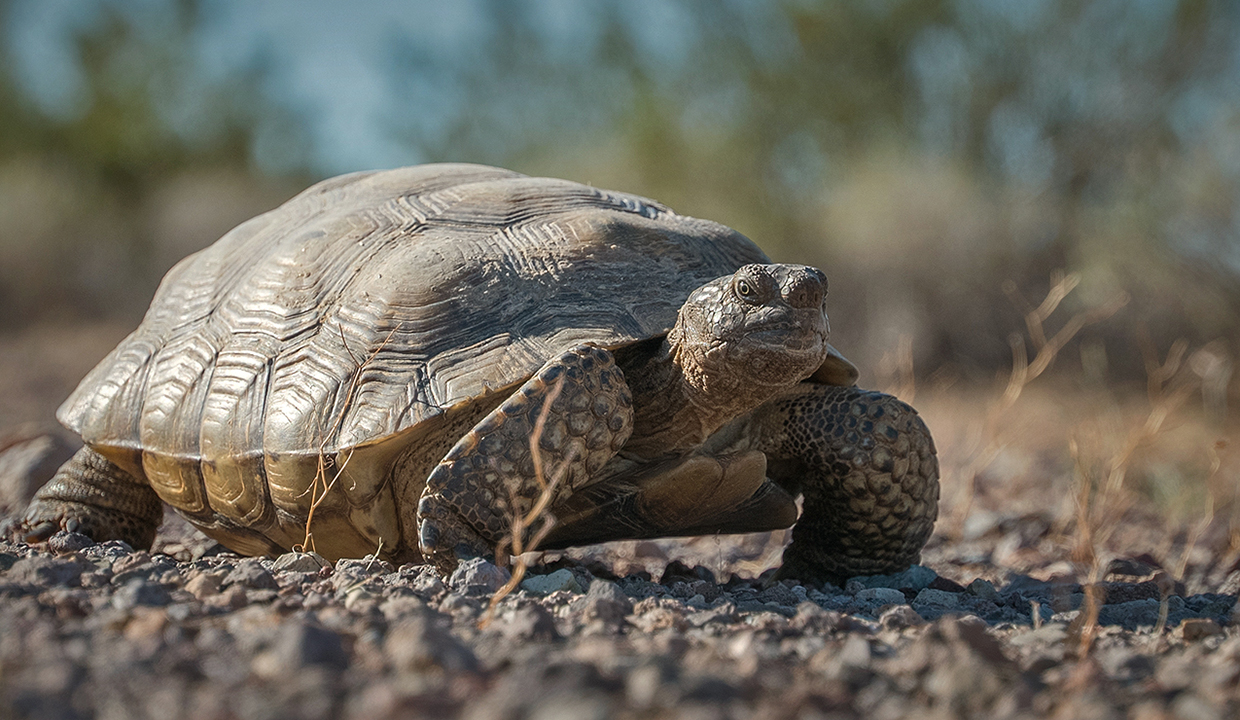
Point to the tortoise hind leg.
(866, 466)
(467, 507)
(91, 495)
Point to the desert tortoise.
(360, 370)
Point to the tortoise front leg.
(866, 466)
(467, 507)
(91, 495)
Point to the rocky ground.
(1005, 618)
(191, 631)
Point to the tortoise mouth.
(792, 335)
(776, 356)
(785, 346)
(789, 340)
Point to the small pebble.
(937, 598)
(140, 592)
(66, 542)
(418, 644)
(898, 617)
(299, 562)
(299, 644)
(1048, 634)
(42, 570)
(250, 573)
(477, 576)
(561, 579)
(530, 622)
(881, 595)
(204, 584)
(984, 589)
(1194, 629)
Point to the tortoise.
(362, 369)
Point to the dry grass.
(321, 485)
(987, 442)
(1104, 498)
(1149, 477)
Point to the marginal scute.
(238, 490)
(177, 482)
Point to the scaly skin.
(866, 465)
(466, 508)
(91, 495)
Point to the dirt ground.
(1085, 564)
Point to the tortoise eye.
(753, 285)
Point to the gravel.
(190, 630)
(102, 630)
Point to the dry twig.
(1024, 371)
(521, 522)
(897, 366)
(320, 480)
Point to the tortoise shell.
(283, 372)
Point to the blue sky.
(328, 62)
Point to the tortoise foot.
(445, 538)
(47, 517)
(871, 483)
(92, 496)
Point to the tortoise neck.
(676, 404)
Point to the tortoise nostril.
(806, 288)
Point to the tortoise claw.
(428, 535)
(445, 539)
(39, 533)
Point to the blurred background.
(940, 159)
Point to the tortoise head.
(759, 329)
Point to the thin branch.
(521, 522)
(320, 477)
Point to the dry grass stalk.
(898, 368)
(320, 486)
(1084, 628)
(1101, 506)
(987, 444)
(317, 497)
(1083, 549)
(1166, 396)
(1166, 587)
(375, 555)
(521, 522)
(1207, 516)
